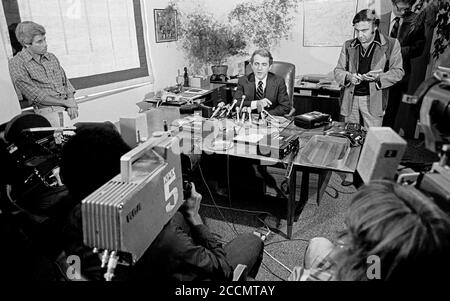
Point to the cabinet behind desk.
(317, 99)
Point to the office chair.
(286, 71)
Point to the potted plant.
(209, 42)
(264, 23)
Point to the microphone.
(231, 107)
(243, 111)
(219, 107)
(242, 102)
(260, 109)
(249, 111)
(225, 110)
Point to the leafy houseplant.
(439, 10)
(264, 23)
(209, 42)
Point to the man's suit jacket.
(411, 36)
(348, 64)
(275, 91)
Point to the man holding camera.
(184, 250)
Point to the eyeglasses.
(402, 9)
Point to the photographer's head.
(405, 229)
(91, 158)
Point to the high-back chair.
(286, 71)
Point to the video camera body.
(128, 212)
(433, 99)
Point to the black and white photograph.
(224, 148)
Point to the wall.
(9, 104)
(168, 58)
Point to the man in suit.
(368, 65)
(405, 26)
(263, 88)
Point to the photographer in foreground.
(392, 232)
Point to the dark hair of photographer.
(405, 229)
(91, 158)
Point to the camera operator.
(184, 250)
(394, 226)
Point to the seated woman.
(393, 232)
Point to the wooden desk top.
(317, 151)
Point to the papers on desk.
(325, 151)
(249, 138)
(194, 93)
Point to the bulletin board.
(328, 23)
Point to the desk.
(311, 158)
(214, 94)
(307, 98)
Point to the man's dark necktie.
(394, 31)
(260, 91)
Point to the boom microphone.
(242, 103)
(219, 107)
(232, 106)
(225, 111)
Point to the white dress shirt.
(254, 103)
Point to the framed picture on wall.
(165, 25)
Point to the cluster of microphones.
(242, 113)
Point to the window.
(97, 42)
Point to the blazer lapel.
(378, 59)
(252, 88)
(406, 28)
(270, 87)
(353, 52)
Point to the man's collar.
(393, 16)
(264, 80)
(28, 55)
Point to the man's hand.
(355, 78)
(371, 76)
(73, 113)
(191, 206)
(71, 103)
(264, 103)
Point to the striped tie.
(394, 31)
(260, 91)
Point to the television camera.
(31, 161)
(123, 217)
(433, 99)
